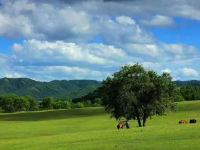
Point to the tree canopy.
(136, 93)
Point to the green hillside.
(188, 83)
(63, 88)
(93, 129)
(56, 89)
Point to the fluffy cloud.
(125, 20)
(39, 16)
(159, 21)
(19, 26)
(189, 72)
(47, 73)
(42, 21)
(145, 49)
(50, 21)
(167, 71)
(59, 59)
(2, 60)
(6, 68)
(63, 53)
(179, 49)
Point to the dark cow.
(193, 121)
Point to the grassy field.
(92, 128)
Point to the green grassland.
(92, 128)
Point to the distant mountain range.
(188, 83)
(56, 88)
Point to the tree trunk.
(144, 121)
(139, 121)
(138, 118)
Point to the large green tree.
(136, 93)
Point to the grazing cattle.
(120, 126)
(183, 122)
(123, 124)
(193, 121)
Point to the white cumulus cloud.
(125, 20)
(60, 52)
(159, 21)
(189, 72)
(167, 71)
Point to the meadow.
(93, 129)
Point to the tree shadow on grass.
(51, 115)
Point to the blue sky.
(185, 31)
(6, 45)
(47, 40)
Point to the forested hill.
(189, 90)
(188, 83)
(56, 88)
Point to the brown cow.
(123, 124)
(183, 122)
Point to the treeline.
(14, 103)
(92, 97)
(182, 93)
(190, 92)
(187, 93)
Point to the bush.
(88, 103)
(8, 105)
(34, 105)
(68, 104)
(47, 103)
(177, 95)
(21, 104)
(97, 102)
(13, 103)
(78, 105)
